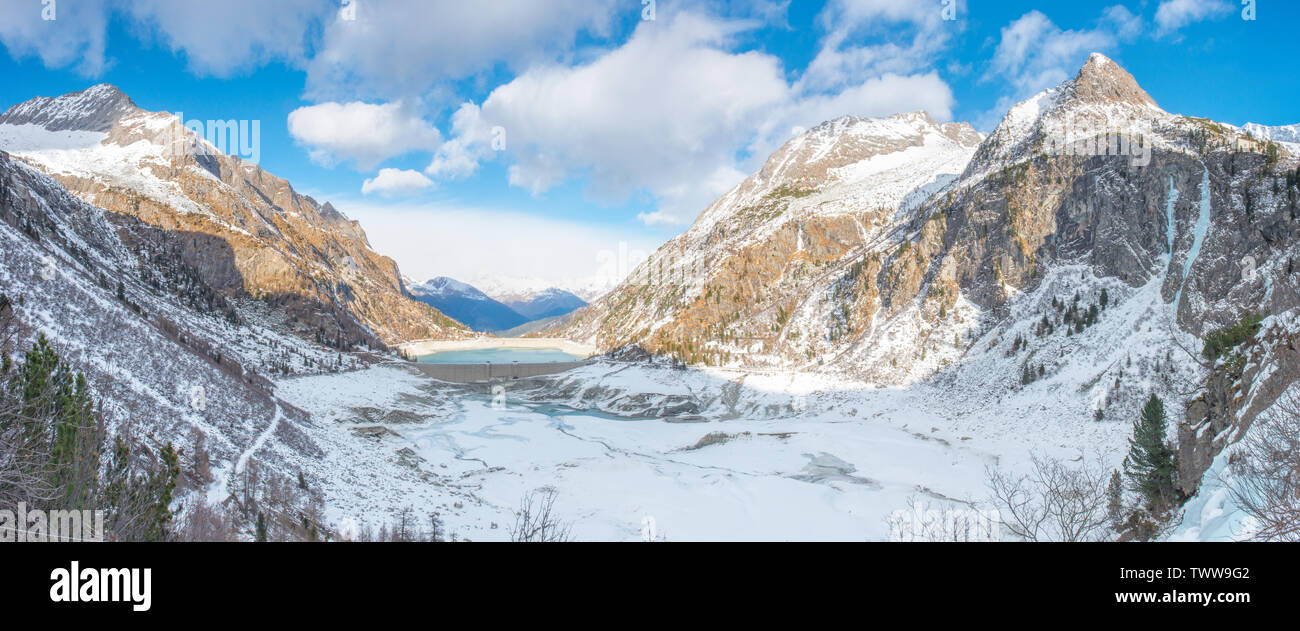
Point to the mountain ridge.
(310, 260)
(467, 304)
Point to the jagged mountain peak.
(1102, 97)
(1101, 80)
(445, 285)
(97, 108)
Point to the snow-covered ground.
(796, 457)
(823, 473)
(793, 455)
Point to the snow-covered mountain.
(466, 304)
(483, 312)
(248, 232)
(168, 358)
(1025, 292)
(729, 287)
(547, 303)
(1070, 257)
(522, 288)
(1286, 135)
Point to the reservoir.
(499, 355)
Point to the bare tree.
(942, 521)
(1265, 472)
(1055, 502)
(536, 520)
(204, 522)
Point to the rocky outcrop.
(1241, 386)
(819, 259)
(784, 268)
(305, 258)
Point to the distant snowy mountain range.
(521, 288)
(1286, 135)
(482, 312)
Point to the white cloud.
(74, 38)
(1126, 24)
(628, 118)
(658, 217)
(1172, 15)
(405, 47)
(1035, 54)
(364, 133)
(878, 96)
(393, 182)
(223, 38)
(633, 121)
(471, 142)
(844, 59)
(430, 240)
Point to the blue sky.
(554, 131)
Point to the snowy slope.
(161, 369)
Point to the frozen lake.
(501, 355)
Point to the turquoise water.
(500, 356)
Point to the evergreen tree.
(261, 528)
(1151, 465)
(48, 408)
(1115, 500)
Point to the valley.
(888, 318)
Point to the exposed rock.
(374, 431)
(307, 259)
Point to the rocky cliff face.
(754, 279)
(308, 261)
(899, 250)
(1241, 386)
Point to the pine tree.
(1115, 501)
(261, 528)
(1151, 465)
